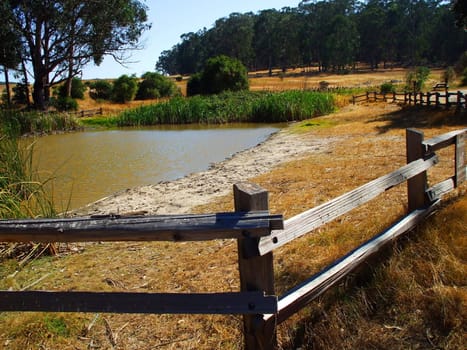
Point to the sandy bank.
(181, 195)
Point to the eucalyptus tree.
(288, 37)
(371, 27)
(232, 36)
(265, 43)
(10, 50)
(62, 36)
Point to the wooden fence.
(88, 112)
(437, 99)
(258, 234)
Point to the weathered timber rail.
(88, 112)
(258, 234)
(444, 99)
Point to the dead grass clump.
(416, 299)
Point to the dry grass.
(425, 277)
(293, 79)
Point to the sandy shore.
(181, 195)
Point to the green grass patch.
(312, 124)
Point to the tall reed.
(22, 192)
(230, 107)
(33, 122)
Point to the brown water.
(87, 166)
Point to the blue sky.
(172, 18)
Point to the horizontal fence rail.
(436, 99)
(307, 221)
(257, 233)
(300, 296)
(148, 228)
(88, 113)
(139, 303)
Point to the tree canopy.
(60, 37)
(333, 34)
(221, 73)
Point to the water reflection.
(90, 165)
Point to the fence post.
(416, 185)
(460, 160)
(256, 272)
(459, 103)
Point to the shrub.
(20, 94)
(449, 75)
(77, 89)
(100, 90)
(387, 88)
(223, 73)
(65, 104)
(416, 78)
(155, 85)
(124, 89)
(461, 63)
(464, 78)
(193, 86)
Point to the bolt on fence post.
(256, 272)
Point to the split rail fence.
(88, 112)
(258, 234)
(436, 99)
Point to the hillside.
(416, 299)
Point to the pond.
(86, 166)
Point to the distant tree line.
(331, 34)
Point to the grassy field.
(415, 298)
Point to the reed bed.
(21, 123)
(22, 193)
(226, 108)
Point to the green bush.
(100, 90)
(416, 78)
(77, 89)
(20, 94)
(65, 104)
(387, 88)
(464, 78)
(193, 86)
(223, 73)
(155, 85)
(461, 63)
(124, 89)
(449, 75)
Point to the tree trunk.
(38, 92)
(7, 86)
(26, 82)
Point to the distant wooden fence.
(88, 112)
(437, 99)
(257, 233)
